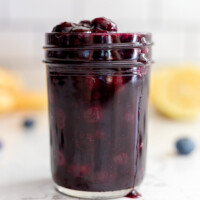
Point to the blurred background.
(175, 26)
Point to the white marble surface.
(25, 170)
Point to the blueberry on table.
(1, 144)
(185, 146)
(28, 123)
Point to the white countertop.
(25, 166)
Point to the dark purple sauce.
(98, 126)
(97, 109)
(134, 195)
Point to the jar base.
(93, 195)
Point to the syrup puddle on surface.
(133, 195)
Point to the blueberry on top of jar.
(64, 27)
(86, 23)
(97, 25)
(103, 23)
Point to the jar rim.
(110, 33)
(110, 64)
(98, 47)
(68, 40)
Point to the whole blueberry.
(98, 30)
(1, 144)
(80, 29)
(28, 123)
(64, 27)
(103, 23)
(85, 23)
(185, 146)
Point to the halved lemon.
(7, 101)
(9, 81)
(31, 100)
(175, 92)
(13, 96)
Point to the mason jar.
(98, 88)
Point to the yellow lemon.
(31, 100)
(14, 97)
(9, 84)
(9, 81)
(175, 92)
(7, 101)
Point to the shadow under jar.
(98, 87)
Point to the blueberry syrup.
(1, 144)
(94, 145)
(134, 195)
(98, 100)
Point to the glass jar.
(98, 87)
